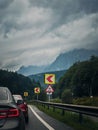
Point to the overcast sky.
(35, 32)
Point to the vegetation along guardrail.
(86, 110)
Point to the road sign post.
(37, 96)
(49, 96)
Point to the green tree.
(67, 96)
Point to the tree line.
(17, 83)
(80, 80)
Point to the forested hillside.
(18, 84)
(80, 80)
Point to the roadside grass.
(70, 118)
(86, 101)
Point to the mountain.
(62, 62)
(65, 60)
(29, 70)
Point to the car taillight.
(13, 113)
(3, 114)
(23, 107)
(9, 113)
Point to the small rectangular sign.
(25, 94)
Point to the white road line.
(44, 123)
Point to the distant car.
(23, 106)
(11, 116)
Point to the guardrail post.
(37, 103)
(53, 109)
(63, 112)
(44, 105)
(48, 106)
(80, 117)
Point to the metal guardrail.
(87, 110)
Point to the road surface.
(40, 121)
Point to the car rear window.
(3, 94)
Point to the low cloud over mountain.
(62, 62)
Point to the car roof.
(17, 96)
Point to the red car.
(22, 105)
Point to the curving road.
(40, 121)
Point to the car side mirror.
(20, 102)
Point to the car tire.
(27, 119)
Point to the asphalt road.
(40, 121)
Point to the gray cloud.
(62, 12)
(5, 3)
(65, 11)
(89, 6)
(31, 30)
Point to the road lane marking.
(44, 123)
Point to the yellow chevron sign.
(37, 90)
(49, 78)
